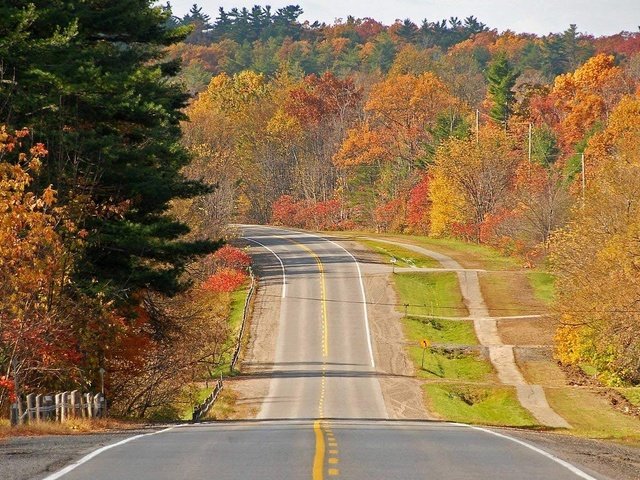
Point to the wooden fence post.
(31, 403)
(63, 411)
(58, 408)
(89, 403)
(74, 401)
(38, 407)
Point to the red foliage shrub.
(390, 216)
(419, 206)
(225, 280)
(284, 211)
(327, 215)
(7, 384)
(232, 257)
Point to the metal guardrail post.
(245, 314)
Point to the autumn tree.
(37, 344)
(471, 180)
(595, 257)
(587, 96)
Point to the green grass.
(631, 394)
(440, 291)
(481, 405)
(487, 257)
(591, 416)
(430, 294)
(440, 331)
(456, 364)
(439, 294)
(543, 284)
(404, 257)
(196, 395)
(238, 298)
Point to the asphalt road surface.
(324, 416)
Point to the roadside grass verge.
(430, 294)
(470, 255)
(451, 363)
(236, 310)
(440, 331)
(197, 392)
(508, 289)
(404, 257)
(455, 355)
(224, 407)
(478, 405)
(591, 415)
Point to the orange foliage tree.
(587, 95)
(36, 342)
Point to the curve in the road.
(284, 272)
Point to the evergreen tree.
(502, 78)
(199, 22)
(89, 80)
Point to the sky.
(597, 17)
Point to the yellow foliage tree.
(478, 172)
(596, 257)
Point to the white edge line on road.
(364, 295)
(284, 275)
(572, 468)
(97, 452)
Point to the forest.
(446, 128)
(130, 138)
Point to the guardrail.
(245, 315)
(201, 410)
(58, 407)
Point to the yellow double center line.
(319, 427)
(323, 297)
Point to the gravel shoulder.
(608, 459)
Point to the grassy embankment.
(509, 290)
(460, 384)
(225, 400)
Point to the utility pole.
(530, 137)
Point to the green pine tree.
(90, 81)
(502, 78)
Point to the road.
(324, 416)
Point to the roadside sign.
(425, 344)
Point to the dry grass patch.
(535, 331)
(71, 427)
